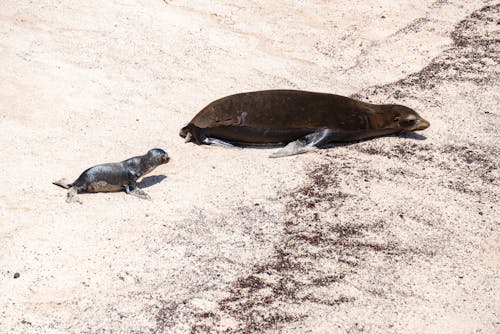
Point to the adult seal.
(301, 119)
(116, 176)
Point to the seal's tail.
(62, 183)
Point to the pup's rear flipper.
(62, 183)
(71, 196)
(305, 144)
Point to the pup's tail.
(62, 183)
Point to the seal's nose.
(423, 124)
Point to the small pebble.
(16, 275)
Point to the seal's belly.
(255, 136)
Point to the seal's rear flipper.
(188, 137)
(305, 144)
(62, 183)
(217, 142)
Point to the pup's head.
(158, 156)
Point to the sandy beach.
(398, 234)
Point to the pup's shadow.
(149, 181)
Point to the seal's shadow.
(149, 181)
(410, 135)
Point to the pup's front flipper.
(136, 191)
(305, 144)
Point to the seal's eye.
(408, 123)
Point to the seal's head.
(158, 156)
(403, 118)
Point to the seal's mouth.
(422, 124)
(414, 125)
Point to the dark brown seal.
(298, 118)
(116, 176)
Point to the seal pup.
(116, 176)
(300, 120)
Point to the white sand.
(397, 234)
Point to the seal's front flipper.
(217, 142)
(293, 148)
(135, 191)
(305, 144)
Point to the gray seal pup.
(300, 120)
(116, 176)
